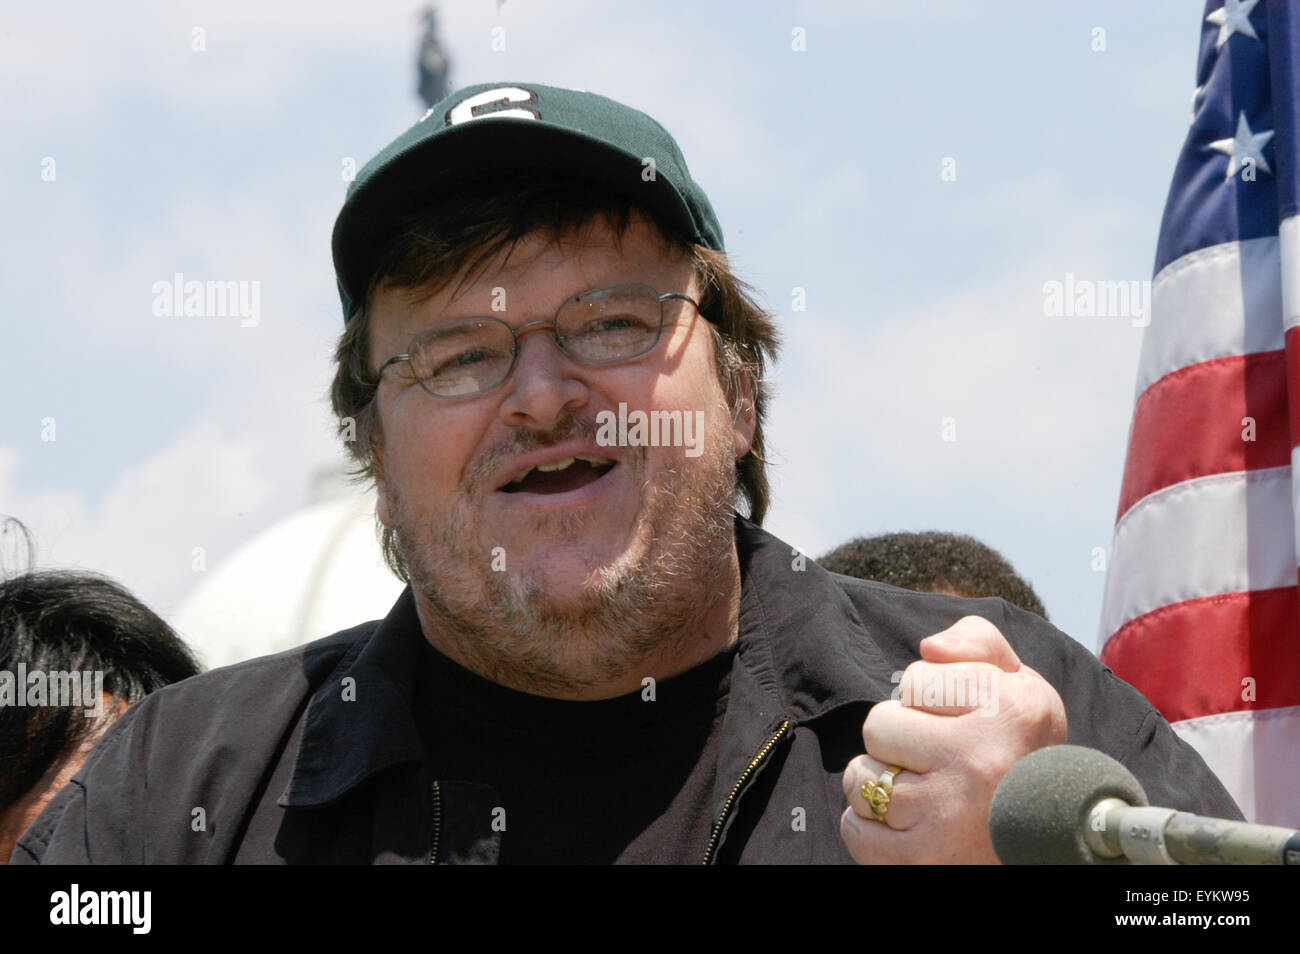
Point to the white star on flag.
(1245, 145)
(1233, 17)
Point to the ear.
(383, 505)
(382, 509)
(745, 417)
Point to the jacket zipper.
(437, 823)
(752, 767)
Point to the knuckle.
(854, 835)
(849, 783)
(914, 671)
(976, 626)
(877, 719)
(913, 677)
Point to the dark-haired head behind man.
(934, 562)
(62, 632)
(597, 659)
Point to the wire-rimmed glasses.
(602, 326)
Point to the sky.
(902, 183)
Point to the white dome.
(315, 572)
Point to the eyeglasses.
(602, 326)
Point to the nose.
(545, 384)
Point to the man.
(934, 562)
(75, 651)
(557, 386)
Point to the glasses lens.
(464, 358)
(610, 324)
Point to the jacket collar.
(801, 637)
(803, 651)
(360, 721)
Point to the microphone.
(1069, 805)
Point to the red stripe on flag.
(1189, 423)
(1190, 658)
(1292, 345)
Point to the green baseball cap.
(513, 125)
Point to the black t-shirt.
(624, 781)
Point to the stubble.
(506, 627)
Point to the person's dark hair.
(462, 232)
(934, 562)
(58, 621)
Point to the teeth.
(561, 465)
(557, 465)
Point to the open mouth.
(561, 476)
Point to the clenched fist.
(968, 710)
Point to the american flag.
(1202, 607)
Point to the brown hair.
(462, 233)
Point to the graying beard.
(640, 612)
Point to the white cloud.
(206, 489)
(1037, 404)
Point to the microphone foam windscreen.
(1040, 810)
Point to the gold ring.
(877, 794)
